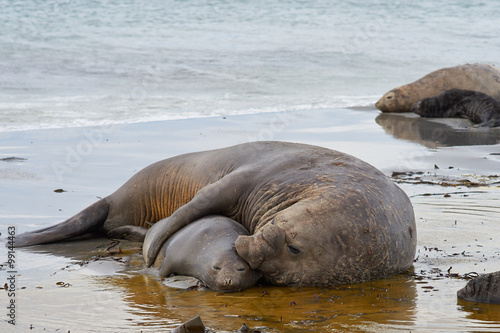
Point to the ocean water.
(76, 63)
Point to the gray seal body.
(316, 216)
(205, 250)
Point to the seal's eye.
(389, 97)
(293, 249)
(216, 268)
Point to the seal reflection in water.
(316, 217)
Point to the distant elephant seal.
(205, 250)
(480, 108)
(317, 217)
(482, 289)
(477, 77)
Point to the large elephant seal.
(205, 250)
(317, 217)
(482, 289)
(477, 77)
(480, 108)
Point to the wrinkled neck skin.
(273, 188)
(265, 203)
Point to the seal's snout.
(228, 282)
(244, 246)
(274, 236)
(385, 103)
(264, 244)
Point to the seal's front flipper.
(165, 269)
(217, 198)
(90, 218)
(129, 232)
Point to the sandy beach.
(450, 171)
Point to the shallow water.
(108, 294)
(74, 63)
(456, 224)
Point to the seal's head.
(433, 107)
(389, 102)
(230, 273)
(468, 292)
(293, 249)
(325, 242)
(416, 107)
(395, 100)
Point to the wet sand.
(450, 172)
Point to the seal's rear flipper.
(88, 219)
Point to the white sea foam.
(70, 119)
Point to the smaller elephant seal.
(482, 289)
(480, 108)
(478, 77)
(205, 250)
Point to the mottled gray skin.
(480, 108)
(483, 289)
(442, 105)
(317, 217)
(205, 250)
(478, 77)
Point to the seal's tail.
(88, 219)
